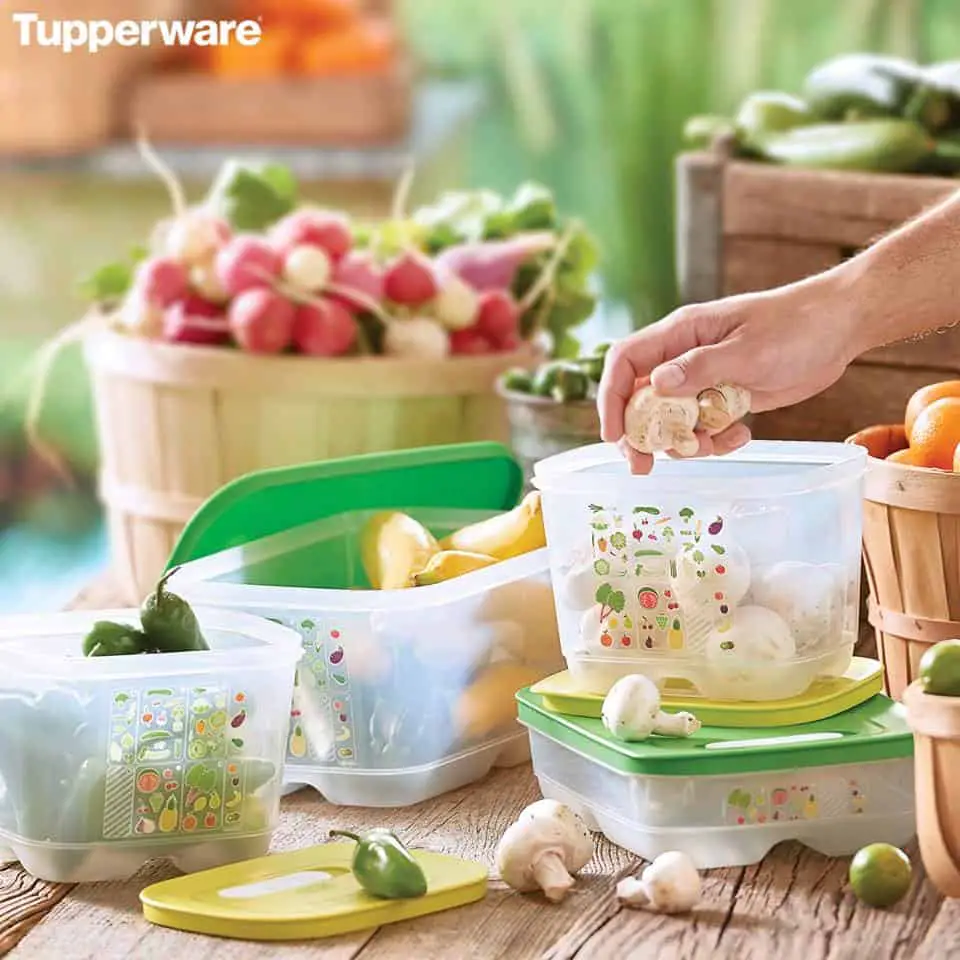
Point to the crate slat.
(755, 263)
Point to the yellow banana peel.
(449, 564)
(393, 547)
(508, 535)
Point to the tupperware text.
(95, 35)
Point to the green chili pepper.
(383, 866)
(109, 639)
(169, 621)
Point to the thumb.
(697, 370)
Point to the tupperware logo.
(96, 35)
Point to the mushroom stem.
(552, 876)
(676, 724)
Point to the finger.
(631, 360)
(640, 463)
(698, 369)
(735, 436)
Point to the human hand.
(782, 345)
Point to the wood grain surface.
(794, 905)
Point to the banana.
(393, 547)
(508, 535)
(449, 564)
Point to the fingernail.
(669, 376)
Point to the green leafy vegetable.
(108, 284)
(253, 196)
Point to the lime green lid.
(826, 697)
(474, 476)
(875, 730)
(302, 894)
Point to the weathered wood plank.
(821, 206)
(865, 394)
(759, 263)
(699, 238)
(24, 902)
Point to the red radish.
(307, 268)
(498, 316)
(246, 262)
(493, 264)
(161, 281)
(456, 305)
(205, 283)
(195, 237)
(324, 329)
(262, 321)
(418, 338)
(316, 228)
(508, 344)
(469, 342)
(195, 320)
(358, 271)
(410, 280)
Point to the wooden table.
(794, 905)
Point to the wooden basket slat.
(753, 263)
(949, 525)
(169, 442)
(916, 536)
(882, 561)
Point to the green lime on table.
(940, 669)
(880, 874)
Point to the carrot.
(366, 47)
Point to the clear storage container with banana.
(421, 589)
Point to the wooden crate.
(745, 226)
(185, 106)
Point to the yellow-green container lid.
(302, 895)
(467, 476)
(827, 697)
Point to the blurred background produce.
(592, 104)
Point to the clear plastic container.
(402, 694)
(738, 575)
(835, 785)
(110, 762)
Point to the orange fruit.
(936, 433)
(880, 438)
(908, 457)
(924, 397)
(956, 459)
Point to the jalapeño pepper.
(109, 639)
(383, 866)
(169, 621)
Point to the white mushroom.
(543, 848)
(631, 712)
(653, 423)
(671, 884)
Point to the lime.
(880, 874)
(940, 669)
(518, 380)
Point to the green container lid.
(875, 730)
(467, 476)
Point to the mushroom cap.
(631, 707)
(650, 421)
(570, 826)
(672, 882)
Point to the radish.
(410, 280)
(161, 281)
(247, 261)
(261, 320)
(493, 264)
(418, 338)
(457, 304)
(195, 320)
(358, 271)
(194, 237)
(205, 283)
(307, 268)
(139, 317)
(498, 316)
(324, 329)
(316, 228)
(469, 342)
